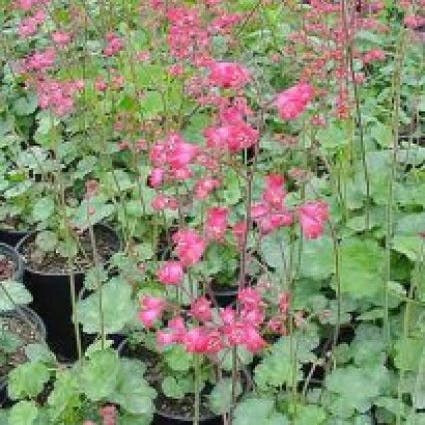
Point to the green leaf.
(40, 353)
(43, 209)
(178, 359)
(282, 363)
(46, 240)
(310, 415)
(65, 395)
(274, 250)
(220, 398)
(258, 411)
(357, 387)
(99, 208)
(410, 224)
(172, 387)
(360, 267)
(16, 292)
(118, 308)
(9, 342)
(408, 353)
(410, 246)
(26, 105)
(27, 380)
(382, 134)
(23, 413)
(99, 375)
(317, 258)
(132, 391)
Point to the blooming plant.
(262, 162)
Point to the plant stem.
(197, 373)
(390, 194)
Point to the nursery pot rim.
(17, 259)
(62, 274)
(159, 412)
(33, 318)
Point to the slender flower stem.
(197, 376)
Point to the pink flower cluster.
(186, 36)
(39, 61)
(114, 44)
(271, 213)
(216, 223)
(29, 4)
(373, 56)
(233, 134)
(291, 103)
(228, 75)
(151, 310)
(29, 25)
(313, 216)
(231, 328)
(58, 95)
(172, 158)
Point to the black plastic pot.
(3, 393)
(162, 418)
(11, 237)
(11, 253)
(33, 318)
(52, 301)
(226, 295)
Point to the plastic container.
(11, 253)
(52, 301)
(11, 237)
(36, 320)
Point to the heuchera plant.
(246, 146)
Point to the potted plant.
(101, 386)
(51, 274)
(20, 326)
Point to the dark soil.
(52, 263)
(183, 408)
(7, 267)
(26, 332)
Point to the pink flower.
(312, 216)
(200, 309)
(61, 38)
(292, 102)
(274, 192)
(196, 340)
(164, 338)
(228, 75)
(284, 302)
(253, 342)
(233, 137)
(171, 273)
(228, 315)
(149, 317)
(156, 177)
(190, 246)
(114, 44)
(181, 153)
(216, 223)
(152, 308)
(253, 316)
(274, 221)
(162, 202)
(373, 55)
(205, 186)
(153, 303)
(239, 232)
(40, 61)
(249, 298)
